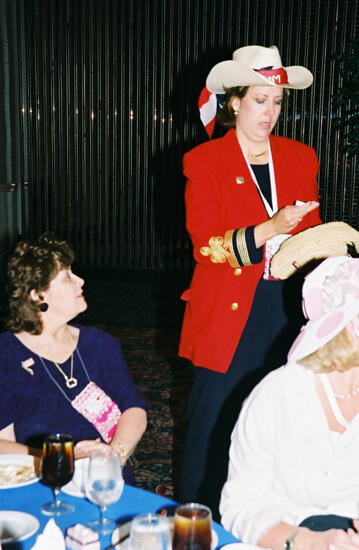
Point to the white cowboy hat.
(257, 66)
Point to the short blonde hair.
(339, 354)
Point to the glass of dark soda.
(192, 527)
(57, 470)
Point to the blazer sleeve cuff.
(243, 247)
(237, 247)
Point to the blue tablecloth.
(133, 501)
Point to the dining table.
(133, 501)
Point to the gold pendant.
(71, 382)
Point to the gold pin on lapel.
(239, 179)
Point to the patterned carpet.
(164, 380)
(145, 312)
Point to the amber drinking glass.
(57, 470)
(192, 527)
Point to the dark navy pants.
(215, 399)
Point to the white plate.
(124, 529)
(15, 460)
(76, 487)
(16, 526)
(71, 489)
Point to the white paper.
(51, 537)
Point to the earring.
(43, 307)
(235, 111)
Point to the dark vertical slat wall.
(108, 95)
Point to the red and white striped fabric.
(207, 105)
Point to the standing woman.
(245, 193)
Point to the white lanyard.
(271, 210)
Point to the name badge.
(99, 409)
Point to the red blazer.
(221, 196)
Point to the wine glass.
(150, 532)
(104, 485)
(57, 470)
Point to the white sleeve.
(252, 500)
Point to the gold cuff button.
(234, 306)
(238, 271)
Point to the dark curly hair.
(32, 266)
(225, 115)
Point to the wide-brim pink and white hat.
(330, 301)
(257, 66)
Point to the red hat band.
(276, 76)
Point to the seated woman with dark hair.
(293, 478)
(56, 376)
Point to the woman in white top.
(293, 478)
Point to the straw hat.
(257, 66)
(315, 243)
(330, 302)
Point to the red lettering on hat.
(277, 76)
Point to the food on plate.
(15, 473)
